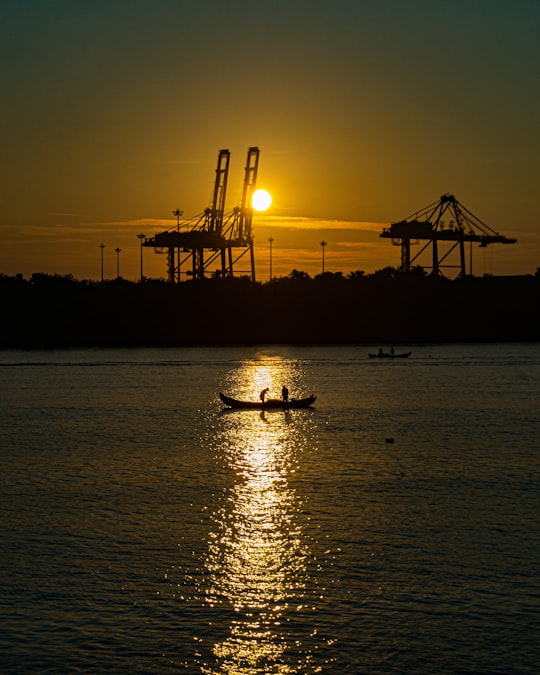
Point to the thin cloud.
(305, 222)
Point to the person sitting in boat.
(285, 394)
(263, 393)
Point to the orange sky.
(113, 114)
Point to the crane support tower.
(444, 223)
(213, 242)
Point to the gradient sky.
(113, 113)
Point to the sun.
(261, 200)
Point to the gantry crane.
(213, 241)
(446, 221)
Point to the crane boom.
(214, 215)
(245, 215)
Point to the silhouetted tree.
(386, 306)
(355, 276)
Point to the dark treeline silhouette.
(386, 307)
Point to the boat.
(269, 404)
(389, 355)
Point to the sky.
(365, 111)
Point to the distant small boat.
(389, 355)
(270, 403)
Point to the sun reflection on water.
(256, 562)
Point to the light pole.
(141, 237)
(117, 251)
(102, 246)
(271, 240)
(323, 245)
(177, 213)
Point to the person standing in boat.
(285, 394)
(263, 394)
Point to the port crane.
(213, 242)
(445, 222)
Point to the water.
(391, 529)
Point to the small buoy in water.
(389, 440)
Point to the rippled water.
(391, 529)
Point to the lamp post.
(177, 213)
(141, 237)
(323, 245)
(117, 251)
(271, 241)
(102, 246)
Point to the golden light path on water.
(256, 562)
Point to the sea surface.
(393, 528)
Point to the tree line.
(385, 307)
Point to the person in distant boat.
(380, 351)
(285, 394)
(392, 351)
(263, 394)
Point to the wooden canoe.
(387, 355)
(269, 404)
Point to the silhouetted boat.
(388, 355)
(270, 403)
